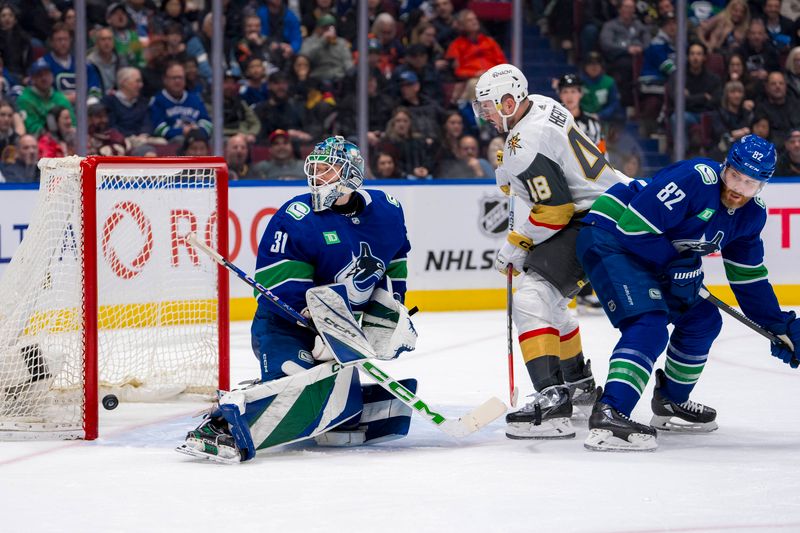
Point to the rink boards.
(455, 228)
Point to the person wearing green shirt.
(38, 98)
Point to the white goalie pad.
(311, 402)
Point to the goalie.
(354, 240)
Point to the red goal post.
(104, 294)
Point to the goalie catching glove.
(513, 253)
(387, 326)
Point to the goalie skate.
(546, 417)
(611, 431)
(212, 441)
(686, 417)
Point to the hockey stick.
(780, 340)
(461, 427)
(513, 391)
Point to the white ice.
(743, 477)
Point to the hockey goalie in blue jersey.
(642, 249)
(345, 237)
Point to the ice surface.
(743, 477)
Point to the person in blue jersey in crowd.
(642, 247)
(338, 233)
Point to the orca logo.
(702, 247)
(361, 274)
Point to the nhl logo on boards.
(493, 217)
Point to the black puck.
(110, 402)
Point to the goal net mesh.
(157, 297)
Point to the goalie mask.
(493, 85)
(334, 168)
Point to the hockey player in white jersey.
(551, 167)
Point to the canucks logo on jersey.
(361, 274)
(701, 247)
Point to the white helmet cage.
(494, 84)
(345, 159)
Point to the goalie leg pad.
(384, 418)
(293, 408)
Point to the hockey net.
(104, 294)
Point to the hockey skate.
(611, 431)
(211, 440)
(588, 304)
(545, 417)
(583, 391)
(686, 417)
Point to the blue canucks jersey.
(679, 212)
(301, 249)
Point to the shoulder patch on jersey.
(760, 202)
(708, 174)
(298, 210)
(392, 200)
(514, 144)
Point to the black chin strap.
(355, 204)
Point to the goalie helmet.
(334, 168)
(494, 84)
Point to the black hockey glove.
(685, 277)
(791, 328)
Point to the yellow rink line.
(482, 299)
(204, 311)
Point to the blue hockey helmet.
(753, 156)
(334, 167)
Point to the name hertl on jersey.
(553, 167)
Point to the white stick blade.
(476, 419)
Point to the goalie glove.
(387, 326)
(513, 253)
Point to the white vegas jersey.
(553, 167)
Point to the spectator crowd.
(290, 79)
(742, 71)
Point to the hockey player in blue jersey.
(339, 234)
(642, 247)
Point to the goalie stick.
(469, 423)
(781, 340)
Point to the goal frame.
(89, 167)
